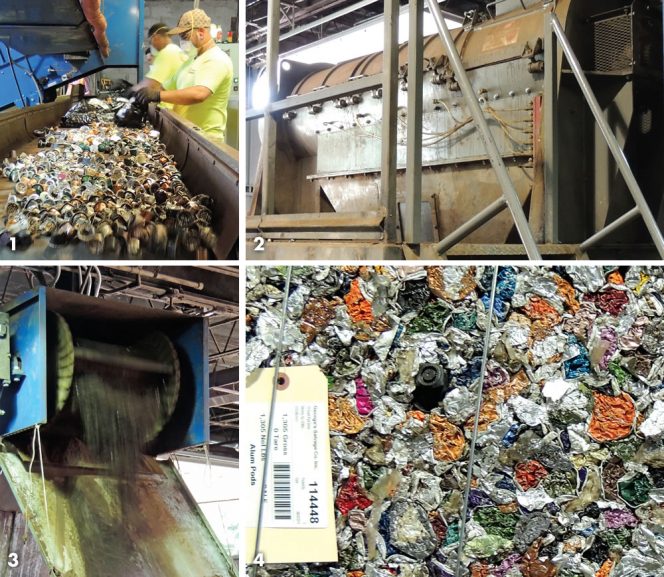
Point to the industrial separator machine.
(533, 129)
(48, 44)
(92, 391)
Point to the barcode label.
(281, 476)
(298, 491)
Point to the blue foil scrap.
(568, 473)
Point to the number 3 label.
(12, 561)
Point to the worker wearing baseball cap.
(200, 89)
(167, 59)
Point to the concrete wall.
(169, 11)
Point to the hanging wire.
(476, 422)
(99, 282)
(4, 290)
(273, 399)
(43, 477)
(32, 462)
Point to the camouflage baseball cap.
(190, 20)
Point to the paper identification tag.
(298, 504)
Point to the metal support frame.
(268, 186)
(470, 226)
(509, 192)
(388, 178)
(313, 24)
(641, 207)
(550, 101)
(413, 224)
(324, 94)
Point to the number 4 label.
(259, 560)
(12, 560)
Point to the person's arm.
(146, 83)
(184, 96)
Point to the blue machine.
(31, 396)
(45, 44)
(90, 512)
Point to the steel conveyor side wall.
(210, 168)
(16, 125)
(207, 168)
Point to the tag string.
(273, 398)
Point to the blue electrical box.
(45, 44)
(29, 399)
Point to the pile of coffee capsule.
(113, 188)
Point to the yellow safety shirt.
(214, 70)
(165, 65)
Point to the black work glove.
(129, 92)
(146, 95)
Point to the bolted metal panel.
(348, 138)
(25, 404)
(449, 137)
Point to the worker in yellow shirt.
(167, 59)
(200, 89)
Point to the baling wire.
(476, 423)
(273, 399)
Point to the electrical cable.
(43, 478)
(99, 276)
(32, 462)
(476, 422)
